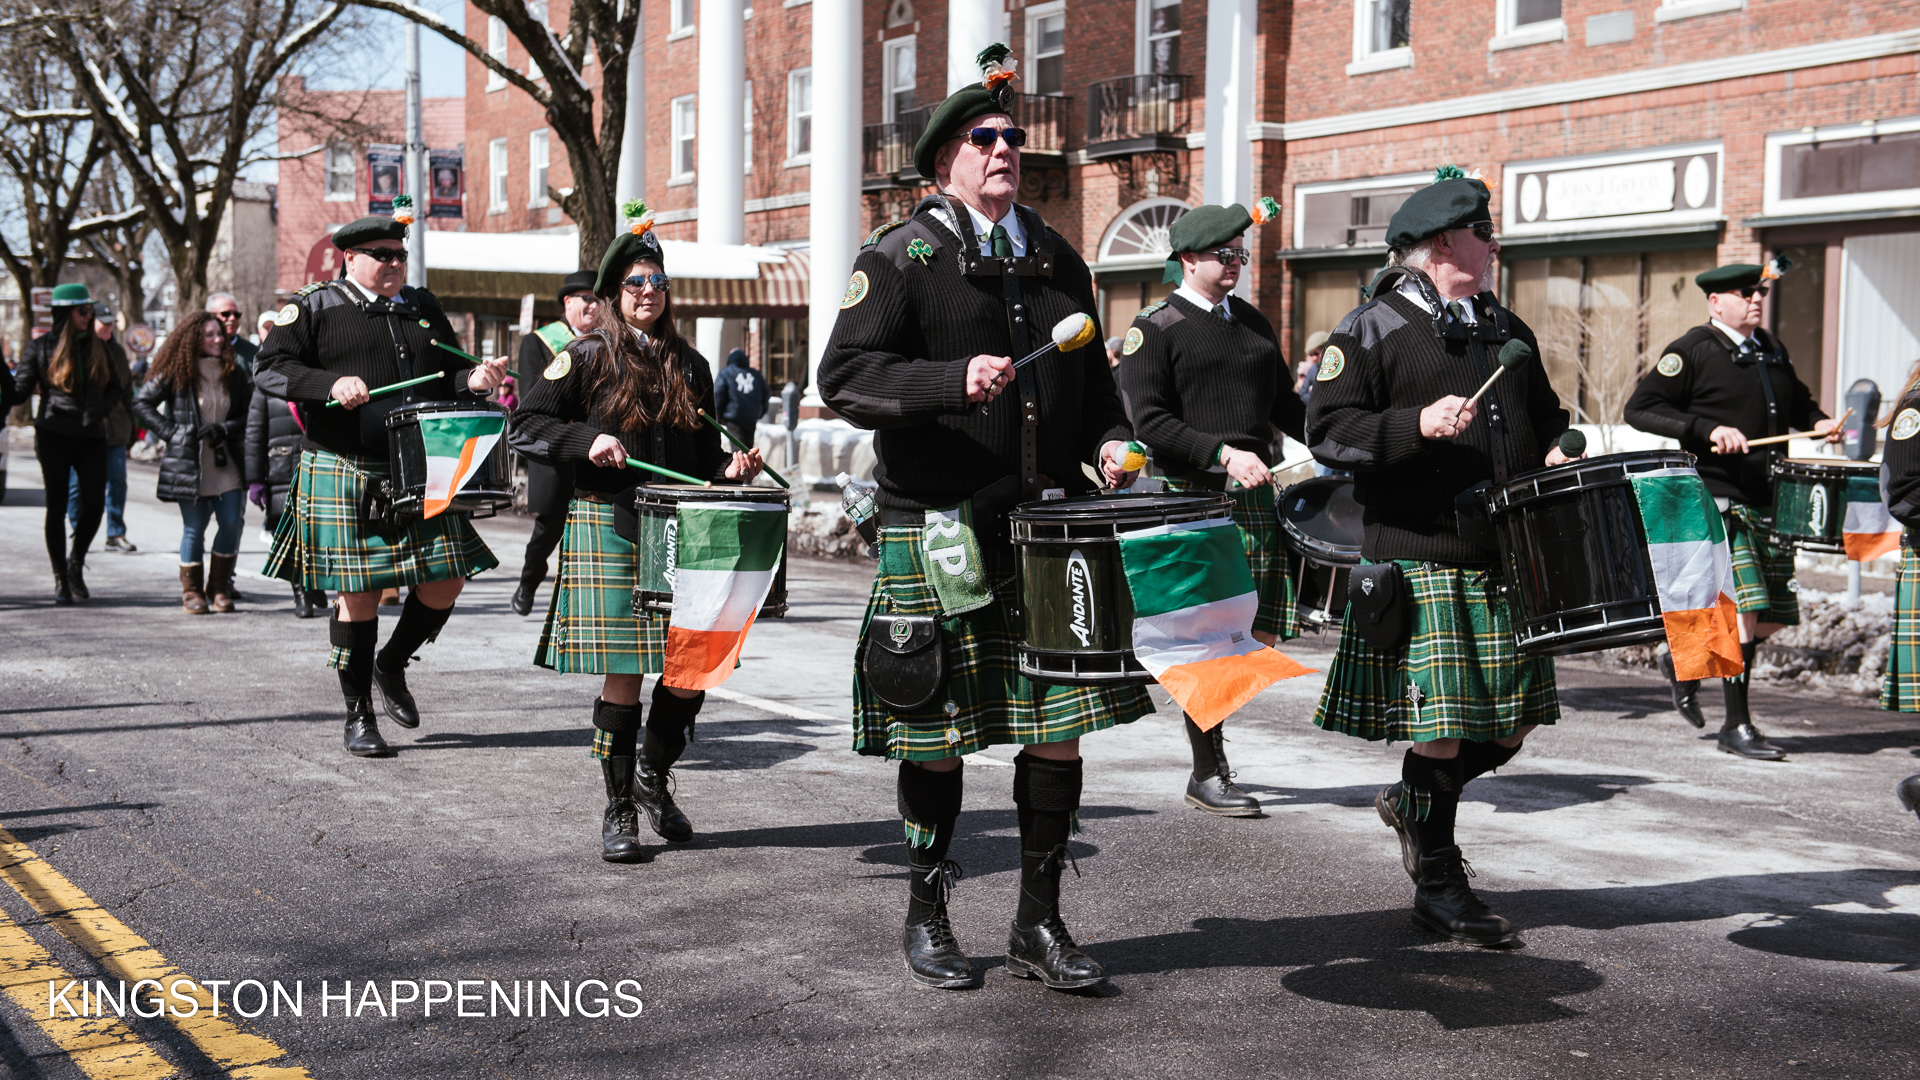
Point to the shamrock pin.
(920, 249)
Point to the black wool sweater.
(556, 424)
(1192, 380)
(1383, 365)
(897, 363)
(1900, 463)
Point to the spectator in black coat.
(274, 432)
(740, 396)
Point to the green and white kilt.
(1459, 676)
(322, 543)
(1258, 516)
(1900, 686)
(1762, 569)
(590, 628)
(986, 701)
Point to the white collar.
(1739, 338)
(369, 295)
(983, 228)
(1193, 297)
(1410, 289)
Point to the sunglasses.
(225, 315)
(1482, 230)
(1750, 293)
(659, 282)
(983, 137)
(383, 256)
(1229, 256)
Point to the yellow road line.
(103, 1047)
(128, 956)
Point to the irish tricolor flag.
(1868, 531)
(726, 555)
(1693, 572)
(456, 443)
(1193, 609)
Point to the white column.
(415, 165)
(834, 175)
(720, 186)
(631, 180)
(1228, 165)
(972, 25)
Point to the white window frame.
(1366, 60)
(1142, 27)
(1034, 14)
(795, 78)
(496, 48)
(678, 135)
(352, 172)
(539, 161)
(909, 44)
(1773, 204)
(677, 27)
(497, 176)
(746, 109)
(1669, 10)
(1506, 35)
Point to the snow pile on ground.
(1836, 647)
(822, 530)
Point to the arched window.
(1138, 236)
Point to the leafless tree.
(1600, 337)
(119, 247)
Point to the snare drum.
(1810, 500)
(1073, 589)
(487, 491)
(1575, 554)
(656, 534)
(1321, 526)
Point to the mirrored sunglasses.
(983, 137)
(659, 282)
(1230, 255)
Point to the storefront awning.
(778, 292)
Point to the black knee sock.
(1432, 797)
(417, 625)
(1047, 793)
(1201, 743)
(929, 804)
(358, 638)
(1735, 689)
(668, 725)
(616, 729)
(1480, 758)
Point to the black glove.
(213, 434)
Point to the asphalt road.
(1684, 913)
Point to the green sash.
(555, 336)
(955, 567)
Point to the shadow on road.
(1627, 701)
(1528, 793)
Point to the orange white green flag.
(457, 444)
(1692, 572)
(726, 555)
(1193, 609)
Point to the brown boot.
(193, 593)
(220, 581)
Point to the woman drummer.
(630, 388)
(1900, 488)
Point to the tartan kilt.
(986, 700)
(590, 628)
(1762, 569)
(1473, 681)
(321, 542)
(1900, 686)
(1258, 516)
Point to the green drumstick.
(744, 448)
(467, 356)
(391, 387)
(636, 463)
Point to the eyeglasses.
(1482, 230)
(983, 137)
(1752, 291)
(1230, 256)
(659, 282)
(382, 256)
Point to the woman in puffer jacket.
(205, 397)
(274, 432)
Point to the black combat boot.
(76, 577)
(929, 805)
(1388, 804)
(362, 738)
(666, 737)
(1047, 793)
(1444, 903)
(417, 625)
(1909, 793)
(1211, 787)
(1737, 734)
(620, 826)
(1686, 695)
(62, 592)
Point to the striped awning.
(780, 292)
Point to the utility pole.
(415, 160)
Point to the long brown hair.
(61, 369)
(1912, 383)
(638, 386)
(178, 361)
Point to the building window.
(683, 133)
(1382, 35)
(799, 115)
(1531, 22)
(497, 176)
(496, 48)
(1047, 48)
(1529, 12)
(1159, 35)
(340, 172)
(899, 74)
(681, 16)
(537, 168)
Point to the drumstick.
(1772, 439)
(391, 387)
(744, 448)
(467, 356)
(1512, 354)
(636, 463)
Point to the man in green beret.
(923, 354)
(332, 344)
(1717, 386)
(1205, 386)
(1391, 403)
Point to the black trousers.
(546, 536)
(59, 456)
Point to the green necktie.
(1455, 310)
(1002, 247)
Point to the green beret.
(1729, 278)
(626, 249)
(1204, 229)
(71, 295)
(955, 115)
(376, 227)
(1447, 204)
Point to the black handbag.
(904, 660)
(1377, 605)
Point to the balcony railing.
(1045, 118)
(886, 151)
(1138, 114)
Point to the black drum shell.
(656, 509)
(1810, 501)
(1321, 525)
(490, 489)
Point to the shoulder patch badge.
(1332, 363)
(1906, 425)
(287, 315)
(921, 250)
(856, 290)
(1669, 365)
(562, 364)
(874, 237)
(1133, 342)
